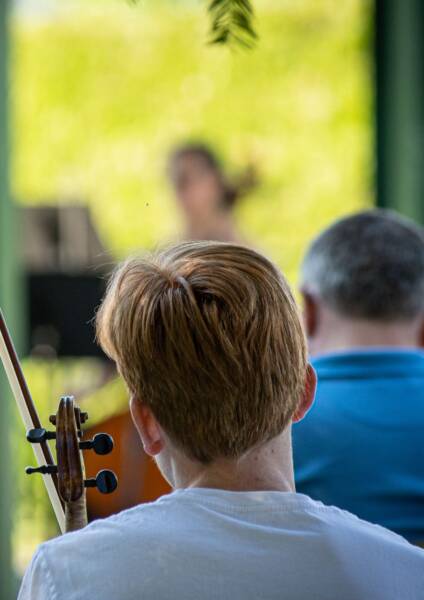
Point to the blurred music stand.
(66, 268)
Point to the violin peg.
(83, 417)
(38, 435)
(102, 443)
(52, 419)
(106, 482)
(44, 470)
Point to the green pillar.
(7, 274)
(399, 53)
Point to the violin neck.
(75, 514)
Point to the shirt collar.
(370, 361)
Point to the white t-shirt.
(204, 544)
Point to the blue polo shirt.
(361, 446)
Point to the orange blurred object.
(139, 479)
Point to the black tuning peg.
(106, 482)
(102, 443)
(44, 470)
(36, 436)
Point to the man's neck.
(267, 468)
(338, 334)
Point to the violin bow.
(29, 416)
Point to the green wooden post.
(399, 52)
(7, 276)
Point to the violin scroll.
(70, 465)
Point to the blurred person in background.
(205, 194)
(361, 445)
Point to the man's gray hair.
(369, 265)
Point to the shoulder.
(344, 527)
(93, 551)
(142, 522)
(38, 582)
(142, 519)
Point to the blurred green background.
(101, 91)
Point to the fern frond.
(232, 22)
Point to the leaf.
(232, 23)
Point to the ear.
(147, 426)
(310, 313)
(308, 394)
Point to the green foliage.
(232, 22)
(101, 96)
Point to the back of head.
(368, 266)
(208, 335)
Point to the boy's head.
(208, 338)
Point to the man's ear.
(147, 426)
(310, 313)
(308, 394)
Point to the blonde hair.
(207, 335)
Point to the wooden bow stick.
(29, 416)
